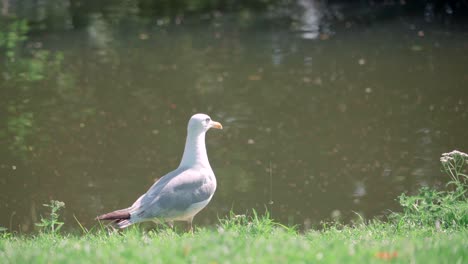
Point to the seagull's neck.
(195, 151)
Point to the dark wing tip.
(116, 215)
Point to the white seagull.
(180, 194)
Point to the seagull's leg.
(171, 224)
(189, 225)
(157, 223)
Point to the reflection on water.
(310, 19)
(315, 127)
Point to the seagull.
(180, 194)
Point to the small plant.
(250, 225)
(3, 232)
(52, 224)
(453, 164)
(432, 207)
(441, 209)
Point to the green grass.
(243, 239)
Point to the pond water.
(319, 124)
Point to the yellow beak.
(216, 125)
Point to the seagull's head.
(201, 123)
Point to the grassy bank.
(261, 242)
(432, 228)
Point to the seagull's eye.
(207, 120)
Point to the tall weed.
(52, 224)
(442, 209)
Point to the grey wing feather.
(174, 193)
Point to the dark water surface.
(316, 125)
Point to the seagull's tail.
(121, 218)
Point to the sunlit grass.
(251, 241)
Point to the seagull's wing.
(176, 192)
